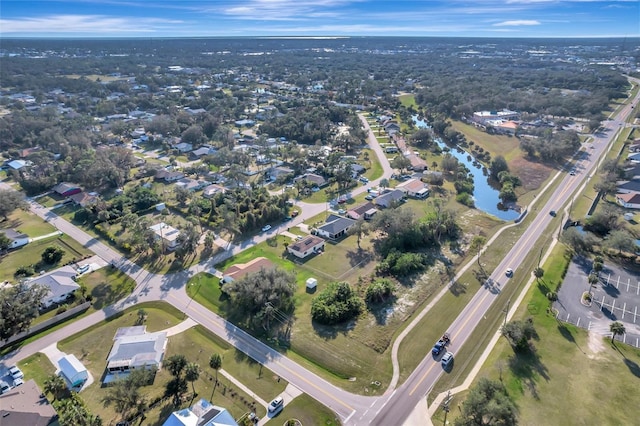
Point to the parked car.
(369, 197)
(16, 373)
(17, 382)
(266, 228)
(276, 405)
(4, 387)
(447, 360)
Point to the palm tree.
(191, 374)
(55, 385)
(538, 273)
(593, 280)
(175, 364)
(616, 328)
(215, 362)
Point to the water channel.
(486, 197)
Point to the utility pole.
(445, 406)
(506, 311)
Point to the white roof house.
(73, 370)
(133, 348)
(60, 282)
(167, 233)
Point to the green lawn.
(27, 223)
(37, 367)
(308, 411)
(503, 145)
(570, 375)
(31, 255)
(408, 100)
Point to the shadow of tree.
(358, 256)
(633, 367)
(458, 288)
(380, 311)
(332, 331)
(528, 368)
(566, 333)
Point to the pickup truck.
(440, 344)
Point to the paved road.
(429, 370)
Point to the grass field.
(27, 223)
(571, 377)
(31, 255)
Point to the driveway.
(616, 297)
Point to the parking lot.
(616, 297)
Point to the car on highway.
(572, 172)
(276, 405)
(552, 213)
(447, 360)
(440, 345)
(509, 272)
(266, 228)
(16, 373)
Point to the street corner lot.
(616, 297)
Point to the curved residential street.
(390, 409)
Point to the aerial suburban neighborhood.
(318, 231)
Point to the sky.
(291, 18)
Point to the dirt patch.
(596, 345)
(532, 174)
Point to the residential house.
(306, 246)
(134, 348)
(202, 413)
(26, 405)
(389, 198)
(17, 164)
(18, 239)
(365, 211)
(184, 147)
(391, 126)
(66, 189)
(201, 152)
(73, 371)
(84, 199)
(312, 178)
(274, 173)
(414, 188)
(629, 201)
(167, 234)
(357, 169)
(483, 117)
(628, 186)
(60, 283)
(168, 175)
(245, 122)
(239, 270)
(335, 227)
(417, 163)
(191, 184)
(210, 190)
(28, 151)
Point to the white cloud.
(287, 10)
(517, 23)
(94, 24)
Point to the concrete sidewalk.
(42, 237)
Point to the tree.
(401, 163)
(215, 362)
(52, 255)
(498, 165)
(18, 307)
(487, 404)
(617, 329)
(335, 304)
(11, 200)
(124, 394)
(476, 246)
(252, 295)
(191, 374)
(360, 228)
(621, 240)
(73, 411)
(182, 194)
(56, 386)
(578, 242)
(538, 273)
(379, 291)
(592, 279)
(176, 364)
(384, 183)
(518, 333)
(5, 242)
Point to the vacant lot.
(27, 223)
